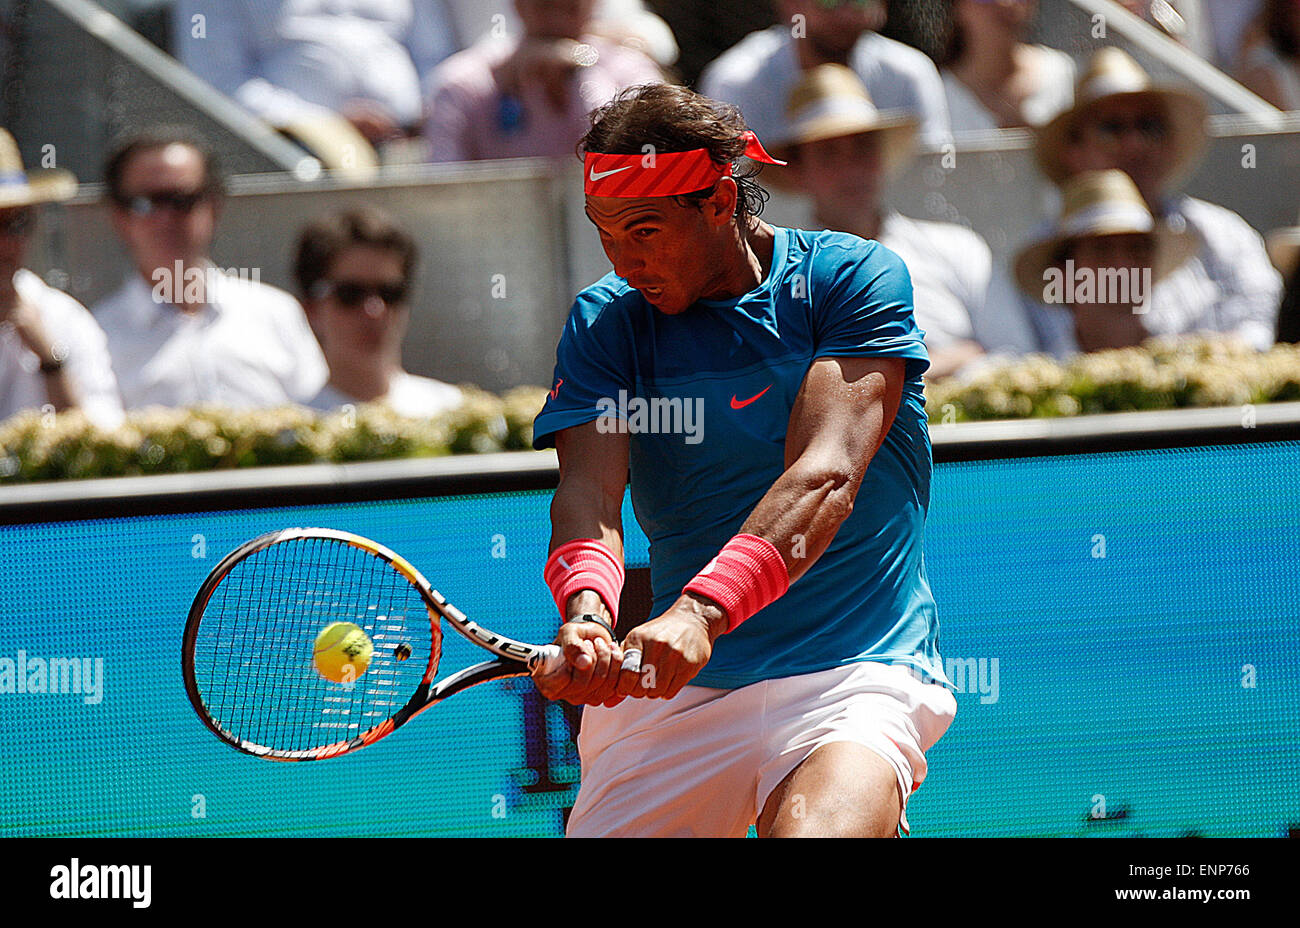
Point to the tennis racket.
(250, 638)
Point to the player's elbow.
(835, 488)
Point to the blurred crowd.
(1129, 254)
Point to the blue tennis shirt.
(706, 398)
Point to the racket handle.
(548, 658)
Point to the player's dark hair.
(151, 140)
(322, 240)
(673, 118)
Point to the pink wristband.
(747, 575)
(584, 564)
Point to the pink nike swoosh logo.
(556, 392)
(741, 404)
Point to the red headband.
(661, 175)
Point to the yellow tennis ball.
(342, 652)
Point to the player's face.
(352, 318)
(661, 248)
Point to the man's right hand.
(591, 666)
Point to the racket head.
(247, 653)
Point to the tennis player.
(790, 676)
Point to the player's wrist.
(591, 618)
(709, 612)
(747, 575)
(585, 566)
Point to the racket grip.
(548, 658)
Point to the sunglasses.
(149, 204)
(352, 294)
(19, 223)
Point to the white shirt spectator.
(286, 60)
(249, 347)
(1230, 286)
(409, 395)
(758, 73)
(465, 103)
(628, 20)
(72, 330)
(955, 290)
(1053, 94)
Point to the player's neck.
(746, 264)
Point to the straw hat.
(1101, 203)
(1113, 73)
(830, 101)
(1284, 249)
(24, 188)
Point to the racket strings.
(253, 651)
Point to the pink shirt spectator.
(469, 120)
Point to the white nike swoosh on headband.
(594, 175)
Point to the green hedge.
(37, 446)
(1160, 374)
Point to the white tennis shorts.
(703, 763)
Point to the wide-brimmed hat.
(830, 101)
(1284, 249)
(1101, 203)
(1113, 73)
(24, 188)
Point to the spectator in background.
(528, 96)
(628, 22)
(843, 152)
(992, 78)
(1101, 261)
(1156, 135)
(1228, 23)
(1271, 65)
(51, 351)
(1284, 250)
(706, 30)
(758, 73)
(292, 62)
(354, 271)
(181, 331)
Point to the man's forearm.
(574, 516)
(801, 513)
